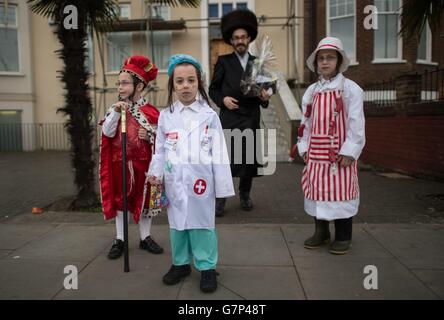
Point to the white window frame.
(250, 5)
(398, 59)
(429, 43)
(113, 72)
(16, 26)
(353, 60)
(171, 39)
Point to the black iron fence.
(418, 87)
(382, 93)
(432, 85)
(33, 136)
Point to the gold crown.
(148, 67)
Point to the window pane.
(333, 9)
(125, 11)
(11, 15)
(344, 29)
(394, 5)
(215, 32)
(119, 48)
(386, 37)
(381, 5)
(8, 50)
(162, 48)
(242, 5)
(350, 7)
(227, 7)
(422, 48)
(387, 5)
(213, 10)
(341, 8)
(90, 52)
(160, 12)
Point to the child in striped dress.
(330, 140)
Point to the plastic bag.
(260, 73)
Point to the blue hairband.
(182, 58)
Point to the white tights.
(144, 226)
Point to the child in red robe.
(141, 124)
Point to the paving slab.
(252, 245)
(67, 242)
(15, 236)
(105, 279)
(333, 277)
(32, 278)
(418, 246)
(258, 283)
(434, 279)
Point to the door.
(217, 48)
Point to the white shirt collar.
(332, 82)
(195, 106)
(243, 59)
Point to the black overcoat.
(227, 75)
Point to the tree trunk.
(78, 107)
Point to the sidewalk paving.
(399, 230)
(256, 261)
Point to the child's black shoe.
(208, 281)
(150, 245)
(116, 249)
(176, 273)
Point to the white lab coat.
(192, 158)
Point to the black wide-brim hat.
(237, 19)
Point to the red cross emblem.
(200, 186)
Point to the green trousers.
(200, 244)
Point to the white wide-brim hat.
(329, 43)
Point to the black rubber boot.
(245, 202)
(320, 237)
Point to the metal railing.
(33, 136)
(432, 85)
(381, 93)
(428, 87)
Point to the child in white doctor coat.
(191, 157)
(331, 139)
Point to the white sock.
(145, 227)
(119, 224)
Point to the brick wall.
(406, 138)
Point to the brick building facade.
(366, 71)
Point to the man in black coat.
(238, 111)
